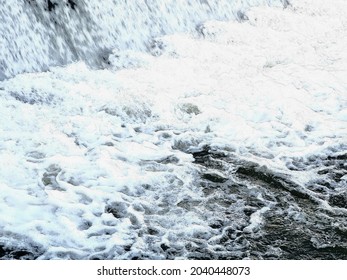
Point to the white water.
(35, 34)
(98, 163)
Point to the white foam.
(75, 141)
(35, 36)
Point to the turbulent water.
(36, 34)
(195, 129)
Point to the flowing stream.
(196, 129)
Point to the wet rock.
(71, 4)
(50, 5)
(211, 159)
(260, 174)
(214, 177)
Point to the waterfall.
(37, 34)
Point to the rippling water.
(184, 130)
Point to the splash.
(37, 34)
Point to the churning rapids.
(179, 129)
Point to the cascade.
(37, 34)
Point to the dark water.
(293, 226)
